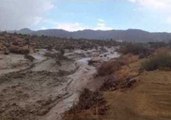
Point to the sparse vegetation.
(87, 100)
(45, 42)
(157, 45)
(136, 48)
(18, 50)
(110, 83)
(108, 68)
(160, 61)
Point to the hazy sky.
(151, 15)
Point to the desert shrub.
(18, 50)
(108, 68)
(159, 61)
(157, 45)
(110, 83)
(136, 49)
(88, 100)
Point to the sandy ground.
(43, 90)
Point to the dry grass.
(149, 100)
(128, 71)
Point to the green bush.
(160, 61)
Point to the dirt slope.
(149, 100)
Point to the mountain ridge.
(135, 35)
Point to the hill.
(134, 35)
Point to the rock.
(130, 82)
(29, 57)
(94, 61)
(6, 51)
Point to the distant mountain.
(134, 35)
(25, 31)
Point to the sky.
(73, 15)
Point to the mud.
(42, 89)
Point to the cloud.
(160, 8)
(100, 25)
(153, 4)
(71, 26)
(16, 14)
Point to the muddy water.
(76, 83)
(81, 79)
(43, 94)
